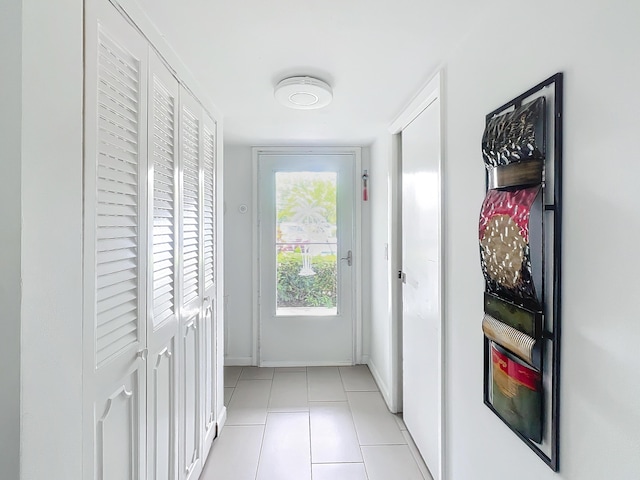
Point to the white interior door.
(115, 247)
(422, 264)
(191, 310)
(150, 382)
(209, 318)
(162, 326)
(307, 259)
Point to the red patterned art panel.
(505, 243)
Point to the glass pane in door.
(306, 243)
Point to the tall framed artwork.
(519, 234)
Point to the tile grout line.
(364, 464)
(377, 445)
(264, 432)
(346, 394)
(415, 453)
(344, 390)
(310, 441)
(306, 376)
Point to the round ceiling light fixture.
(303, 93)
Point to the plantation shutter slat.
(121, 286)
(111, 209)
(209, 208)
(111, 344)
(118, 175)
(117, 209)
(191, 232)
(164, 227)
(112, 162)
(115, 324)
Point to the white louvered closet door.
(191, 292)
(209, 326)
(163, 303)
(115, 247)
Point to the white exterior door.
(422, 266)
(307, 258)
(115, 248)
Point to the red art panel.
(505, 243)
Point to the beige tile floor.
(313, 423)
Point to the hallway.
(320, 423)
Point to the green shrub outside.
(317, 290)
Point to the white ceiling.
(376, 54)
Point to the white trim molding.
(222, 419)
(422, 100)
(384, 388)
(306, 364)
(238, 361)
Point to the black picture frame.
(550, 333)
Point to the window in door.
(306, 243)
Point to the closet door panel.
(191, 132)
(163, 244)
(208, 203)
(209, 327)
(191, 394)
(150, 328)
(115, 249)
(208, 377)
(162, 414)
(192, 284)
(118, 444)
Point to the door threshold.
(294, 363)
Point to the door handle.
(142, 354)
(191, 324)
(348, 258)
(209, 304)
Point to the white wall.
(51, 443)
(11, 108)
(238, 255)
(595, 44)
(380, 361)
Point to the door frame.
(424, 98)
(356, 291)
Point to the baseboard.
(365, 360)
(382, 385)
(238, 361)
(293, 363)
(222, 419)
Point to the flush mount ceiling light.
(303, 93)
